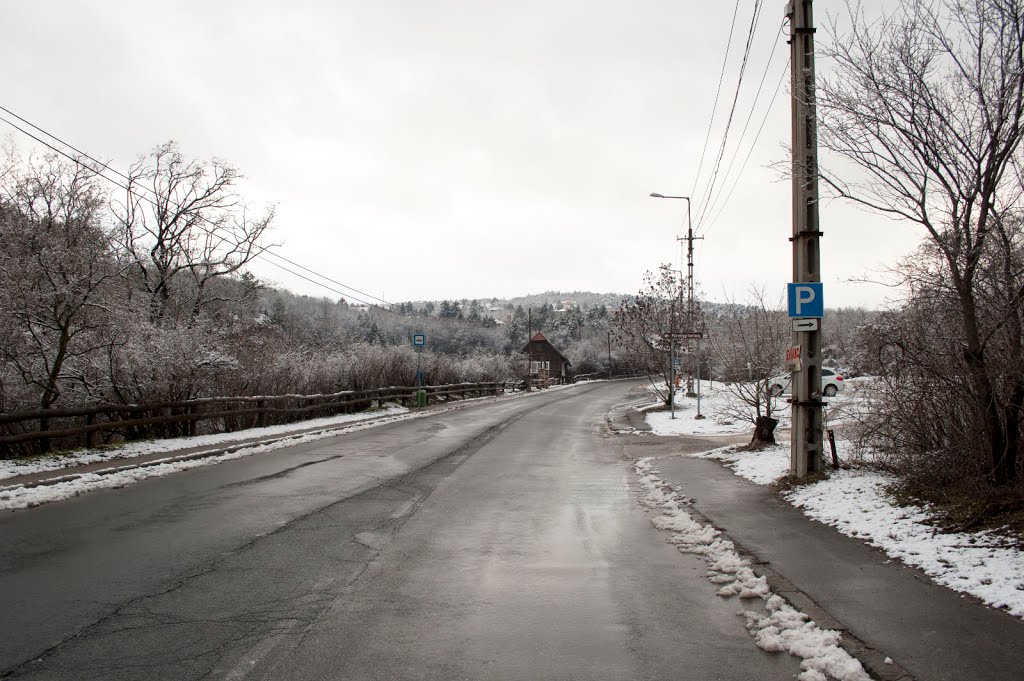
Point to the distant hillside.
(583, 299)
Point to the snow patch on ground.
(783, 628)
(724, 414)
(13, 468)
(762, 467)
(856, 501)
(20, 496)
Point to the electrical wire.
(702, 209)
(753, 144)
(718, 91)
(746, 126)
(106, 166)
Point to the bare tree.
(929, 105)
(57, 273)
(183, 225)
(643, 323)
(749, 342)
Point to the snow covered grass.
(781, 628)
(856, 501)
(718, 406)
(763, 467)
(261, 440)
(20, 496)
(725, 413)
(12, 468)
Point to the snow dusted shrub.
(483, 367)
(590, 356)
(924, 419)
(166, 364)
(961, 392)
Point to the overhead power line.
(718, 91)
(713, 205)
(702, 209)
(101, 167)
(753, 145)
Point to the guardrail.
(34, 432)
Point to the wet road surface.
(502, 541)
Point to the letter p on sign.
(805, 299)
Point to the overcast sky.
(421, 149)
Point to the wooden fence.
(36, 432)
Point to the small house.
(547, 363)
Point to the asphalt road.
(501, 541)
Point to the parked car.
(831, 383)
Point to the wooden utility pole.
(609, 354)
(529, 349)
(806, 448)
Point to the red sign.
(793, 358)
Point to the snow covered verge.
(21, 496)
(726, 414)
(856, 501)
(723, 413)
(12, 468)
(781, 628)
(260, 440)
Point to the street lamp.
(689, 293)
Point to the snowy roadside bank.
(14, 468)
(25, 496)
(780, 627)
(724, 413)
(856, 502)
(138, 462)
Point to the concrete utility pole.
(691, 329)
(672, 361)
(529, 349)
(806, 448)
(691, 332)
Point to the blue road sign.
(805, 299)
(419, 340)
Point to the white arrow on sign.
(805, 324)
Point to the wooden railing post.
(90, 437)
(44, 442)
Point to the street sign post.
(419, 341)
(805, 299)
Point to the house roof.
(540, 338)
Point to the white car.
(831, 383)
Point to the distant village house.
(547, 363)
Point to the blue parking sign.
(805, 299)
